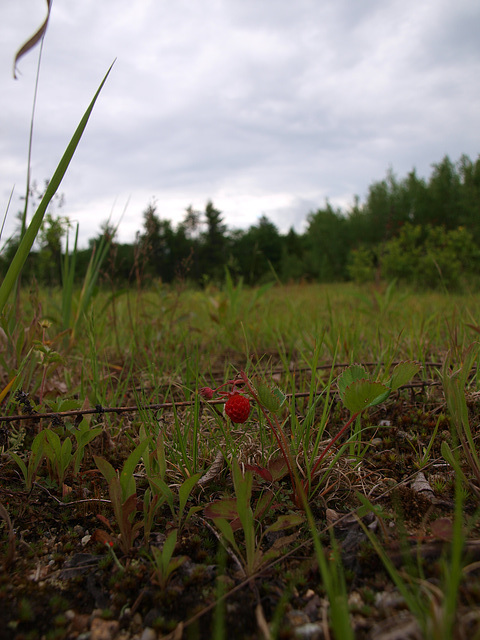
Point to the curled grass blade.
(31, 42)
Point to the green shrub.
(429, 257)
(362, 265)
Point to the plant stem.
(353, 417)
(114, 556)
(298, 489)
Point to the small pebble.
(297, 618)
(136, 623)
(309, 631)
(148, 634)
(103, 629)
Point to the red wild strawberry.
(237, 408)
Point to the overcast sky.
(263, 106)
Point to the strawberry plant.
(357, 391)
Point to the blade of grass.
(34, 226)
(88, 289)
(68, 274)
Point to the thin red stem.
(234, 383)
(281, 441)
(330, 444)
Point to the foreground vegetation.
(129, 500)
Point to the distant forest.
(423, 232)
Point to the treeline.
(424, 232)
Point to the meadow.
(339, 497)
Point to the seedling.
(232, 514)
(37, 453)
(59, 455)
(123, 495)
(162, 492)
(164, 562)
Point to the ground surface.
(62, 581)
(74, 564)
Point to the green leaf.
(105, 468)
(88, 290)
(115, 492)
(403, 373)
(64, 405)
(350, 375)
(174, 564)
(22, 465)
(162, 488)
(263, 503)
(126, 476)
(52, 446)
(226, 508)
(39, 442)
(227, 531)
(84, 437)
(362, 394)
(450, 458)
(285, 522)
(381, 398)
(186, 489)
(243, 490)
(272, 399)
(169, 548)
(66, 453)
(164, 562)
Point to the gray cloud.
(266, 108)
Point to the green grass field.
(129, 501)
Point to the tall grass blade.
(89, 283)
(34, 226)
(68, 275)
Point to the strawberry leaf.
(278, 468)
(402, 373)
(361, 394)
(272, 399)
(350, 375)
